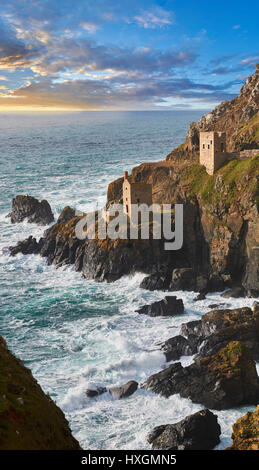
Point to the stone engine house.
(213, 152)
(135, 193)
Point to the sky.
(127, 55)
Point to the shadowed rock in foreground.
(29, 419)
(31, 209)
(246, 432)
(225, 380)
(199, 431)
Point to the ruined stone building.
(213, 151)
(135, 193)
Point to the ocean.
(73, 333)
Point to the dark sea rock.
(155, 282)
(234, 293)
(125, 390)
(169, 306)
(67, 214)
(27, 246)
(30, 208)
(214, 331)
(183, 279)
(91, 393)
(216, 284)
(224, 380)
(199, 431)
(176, 347)
(200, 296)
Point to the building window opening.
(203, 146)
(127, 209)
(222, 147)
(211, 142)
(208, 146)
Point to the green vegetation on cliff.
(29, 419)
(248, 135)
(235, 176)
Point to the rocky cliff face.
(221, 220)
(239, 118)
(29, 419)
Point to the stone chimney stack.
(125, 175)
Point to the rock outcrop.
(27, 247)
(214, 331)
(169, 306)
(199, 431)
(29, 419)
(224, 380)
(31, 209)
(67, 214)
(234, 293)
(125, 390)
(245, 434)
(95, 392)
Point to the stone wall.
(243, 154)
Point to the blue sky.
(139, 55)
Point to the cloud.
(61, 64)
(230, 64)
(224, 70)
(46, 53)
(159, 18)
(13, 51)
(90, 27)
(236, 26)
(250, 60)
(115, 93)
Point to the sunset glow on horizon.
(136, 56)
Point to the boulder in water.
(27, 246)
(91, 393)
(31, 209)
(169, 306)
(199, 431)
(125, 390)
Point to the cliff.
(239, 118)
(29, 419)
(221, 221)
